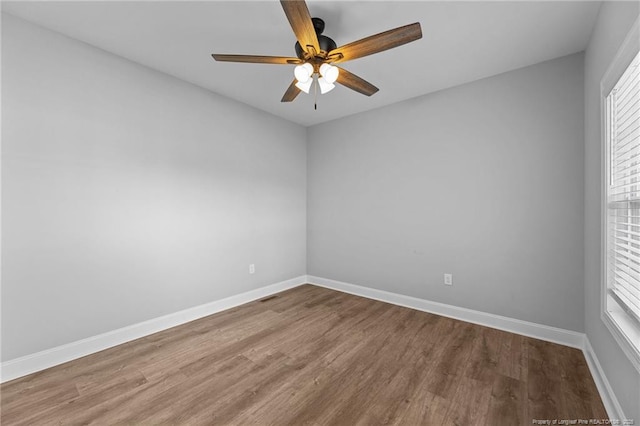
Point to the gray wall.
(128, 194)
(484, 181)
(613, 24)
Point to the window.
(621, 125)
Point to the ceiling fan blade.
(257, 59)
(291, 93)
(356, 83)
(301, 23)
(376, 43)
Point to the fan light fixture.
(303, 72)
(329, 72)
(305, 75)
(325, 86)
(305, 86)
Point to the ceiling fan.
(316, 53)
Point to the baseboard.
(611, 404)
(28, 364)
(530, 329)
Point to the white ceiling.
(462, 42)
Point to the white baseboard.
(530, 329)
(28, 364)
(611, 404)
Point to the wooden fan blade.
(301, 23)
(376, 43)
(291, 93)
(257, 59)
(356, 83)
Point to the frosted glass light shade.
(303, 72)
(305, 86)
(329, 72)
(325, 86)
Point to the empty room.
(320, 212)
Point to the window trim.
(617, 320)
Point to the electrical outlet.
(448, 279)
(252, 269)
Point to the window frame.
(618, 322)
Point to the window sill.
(624, 330)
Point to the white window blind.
(622, 132)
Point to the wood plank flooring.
(313, 356)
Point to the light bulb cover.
(305, 86)
(303, 72)
(325, 86)
(329, 72)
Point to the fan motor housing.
(326, 43)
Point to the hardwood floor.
(313, 356)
